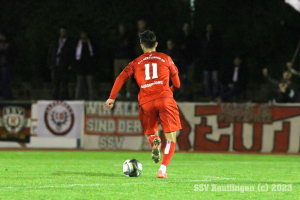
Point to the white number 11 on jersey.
(147, 71)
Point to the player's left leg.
(167, 153)
(170, 121)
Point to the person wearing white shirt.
(235, 80)
(85, 67)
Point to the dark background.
(249, 26)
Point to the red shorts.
(165, 110)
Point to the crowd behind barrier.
(74, 63)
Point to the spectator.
(211, 50)
(174, 53)
(60, 56)
(7, 60)
(84, 65)
(188, 46)
(123, 55)
(236, 79)
(141, 26)
(285, 91)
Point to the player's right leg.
(149, 120)
(155, 142)
(152, 137)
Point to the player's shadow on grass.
(62, 173)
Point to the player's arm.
(174, 76)
(176, 82)
(121, 79)
(295, 72)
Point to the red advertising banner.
(242, 128)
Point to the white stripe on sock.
(167, 149)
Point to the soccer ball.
(132, 168)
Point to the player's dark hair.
(148, 39)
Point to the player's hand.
(172, 88)
(109, 104)
(282, 87)
(289, 65)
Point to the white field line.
(218, 178)
(208, 179)
(229, 162)
(167, 182)
(190, 163)
(55, 186)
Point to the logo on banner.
(59, 118)
(110, 142)
(13, 118)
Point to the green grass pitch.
(98, 175)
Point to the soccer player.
(152, 72)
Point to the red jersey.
(152, 72)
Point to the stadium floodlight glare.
(294, 3)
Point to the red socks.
(168, 153)
(151, 139)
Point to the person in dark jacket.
(8, 54)
(60, 57)
(85, 64)
(123, 55)
(141, 27)
(174, 52)
(236, 79)
(210, 53)
(189, 46)
(285, 90)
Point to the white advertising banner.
(123, 120)
(206, 127)
(60, 118)
(115, 129)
